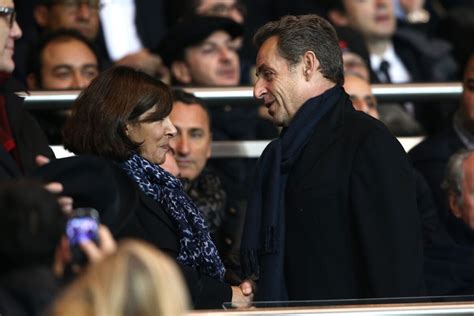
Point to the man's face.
(8, 35)
(373, 18)
(67, 64)
(214, 62)
(466, 211)
(192, 144)
(468, 91)
(225, 8)
(361, 95)
(277, 84)
(79, 15)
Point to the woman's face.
(153, 136)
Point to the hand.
(65, 202)
(41, 160)
(242, 295)
(106, 247)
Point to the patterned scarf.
(197, 249)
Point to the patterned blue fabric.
(196, 247)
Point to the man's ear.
(310, 64)
(40, 13)
(338, 18)
(453, 204)
(180, 70)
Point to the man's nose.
(84, 11)
(259, 89)
(79, 82)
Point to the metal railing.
(55, 100)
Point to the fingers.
(246, 287)
(41, 160)
(106, 246)
(54, 187)
(66, 204)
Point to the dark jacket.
(30, 139)
(27, 291)
(431, 157)
(352, 225)
(129, 213)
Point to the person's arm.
(386, 219)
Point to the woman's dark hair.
(116, 97)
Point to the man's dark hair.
(299, 34)
(118, 96)
(179, 95)
(31, 225)
(62, 35)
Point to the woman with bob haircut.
(136, 280)
(122, 116)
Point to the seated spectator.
(136, 280)
(192, 146)
(399, 55)
(122, 116)
(83, 16)
(360, 92)
(200, 51)
(21, 139)
(63, 60)
(459, 185)
(430, 157)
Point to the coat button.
(232, 210)
(228, 241)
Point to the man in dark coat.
(431, 156)
(333, 208)
(21, 138)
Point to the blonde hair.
(137, 280)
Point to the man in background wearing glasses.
(21, 139)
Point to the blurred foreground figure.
(136, 280)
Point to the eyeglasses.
(93, 4)
(9, 14)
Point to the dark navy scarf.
(263, 236)
(196, 247)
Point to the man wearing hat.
(201, 51)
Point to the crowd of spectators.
(133, 61)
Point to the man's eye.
(197, 134)
(62, 74)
